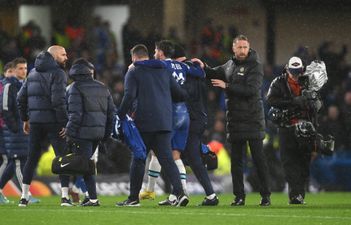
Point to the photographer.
(295, 110)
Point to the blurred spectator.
(331, 124)
(346, 119)
(59, 36)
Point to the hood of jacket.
(45, 62)
(80, 72)
(151, 63)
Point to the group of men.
(167, 98)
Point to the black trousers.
(160, 143)
(38, 133)
(296, 158)
(193, 155)
(259, 160)
(87, 148)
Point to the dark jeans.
(86, 149)
(193, 155)
(38, 133)
(296, 158)
(160, 143)
(259, 160)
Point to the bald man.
(59, 54)
(42, 107)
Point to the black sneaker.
(210, 202)
(265, 201)
(86, 199)
(90, 203)
(129, 202)
(182, 200)
(66, 202)
(167, 202)
(238, 202)
(23, 202)
(297, 200)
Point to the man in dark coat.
(90, 117)
(15, 141)
(153, 87)
(287, 93)
(196, 103)
(241, 78)
(42, 107)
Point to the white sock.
(25, 191)
(64, 192)
(86, 194)
(182, 172)
(210, 197)
(153, 173)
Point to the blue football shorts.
(181, 122)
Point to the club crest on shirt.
(241, 71)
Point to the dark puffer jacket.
(90, 106)
(42, 96)
(245, 113)
(15, 141)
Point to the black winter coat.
(42, 96)
(280, 96)
(245, 114)
(196, 101)
(90, 108)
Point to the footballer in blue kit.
(180, 113)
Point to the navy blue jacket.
(15, 141)
(90, 106)
(196, 102)
(42, 96)
(154, 88)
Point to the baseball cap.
(295, 66)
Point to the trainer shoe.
(33, 200)
(167, 202)
(74, 195)
(265, 201)
(238, 201)
(66, 202)
(3, 199)
(147, 195)
(86, 199)
(210, 202)
(129, 202)
(297, 200)
(182, 200)
(90, 203)
(23, 202)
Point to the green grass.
(322, 208)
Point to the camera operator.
(295, 110)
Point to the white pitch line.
(184, 213)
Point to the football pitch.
(321, 208)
